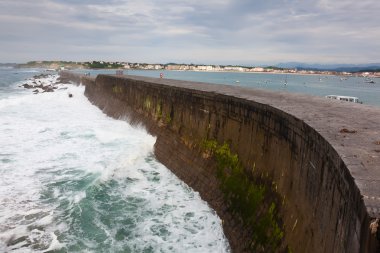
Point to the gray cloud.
(223, 31)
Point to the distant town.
(62, 65)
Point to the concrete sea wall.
(310, 166)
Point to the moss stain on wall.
(117, 89)
(247, 198)
(159, 110)
(147, 103)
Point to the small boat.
(345, 98)
(367, 79)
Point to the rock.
(48, 88)
(27, 86)
(70, 95)
(41, 76)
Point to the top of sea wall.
(353, 130)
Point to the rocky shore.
(45, 83)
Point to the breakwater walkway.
(311, 165)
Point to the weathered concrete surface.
(71, 77)
(323, 155)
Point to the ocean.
(316, 85)
(74, 180)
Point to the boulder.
(28, 86)
(48, 88)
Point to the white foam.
(54, 244)
(50, 138)
(78, 197)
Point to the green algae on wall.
(168, 119)
(159, 110)
(247, 198)
(117, 89)
(147, 103)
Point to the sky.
(246, 32)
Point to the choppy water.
(74, 180)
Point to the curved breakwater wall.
(314, 162)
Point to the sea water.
(74, 180)
(316, 85)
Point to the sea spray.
(75, 180)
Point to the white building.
(257, 69)
(232, 68)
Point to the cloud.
(223, 31)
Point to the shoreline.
(263, 72)
(160, 67)
(242, 72)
